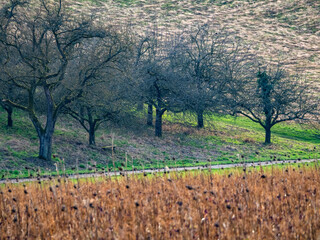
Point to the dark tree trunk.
(160, 110)
(45, 138)
(45, 135)
(150, 115)
(200, 119)
(92, 136)
(268, 135)
(158, 125)
(268, 124)
(92, 127)
(45, 150)
(9, 111)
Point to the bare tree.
(272, 97)
(102, 100)
(7, 89)
(153, 86)
(96, 108)
(207, 58)
(144, 48)
(156, 80)
(41, 38)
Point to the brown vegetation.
(288, 30)
(249, 204)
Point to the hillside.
(286, 30)
(281, 30)
(224, 140)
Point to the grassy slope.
(284, 28)
(223, 140)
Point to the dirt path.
(219, 166)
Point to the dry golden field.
(248, 204)
(282, 30)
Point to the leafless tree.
(95, 108)
(155, 80)
(273, 96)
(207, 58)
(41, 37)
(104, 99)
(101, 60)
(144, 47)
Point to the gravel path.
(219, 166)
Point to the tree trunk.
(9, 111)
(150, 115)
(268, 135)
(45, 150)
(92, 136)
(158, 126)
(45, 138)
(45, 134)
(268, 124)
(92, 127)
(200, 118)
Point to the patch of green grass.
(95, 2)
(169, 6)
(18, 154)
(289, 140)
(21, 125)
(125, 2)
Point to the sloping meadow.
(284, 30)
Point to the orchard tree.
(156, 80)
(207, 58)
(41, 38)
(272, 97)
(155, 88)
(96, 108)
(7, 88)
(143, 49)
(99, 61)
(102, 100)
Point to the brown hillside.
(285, 30)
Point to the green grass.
(289, 140)
(125, 2)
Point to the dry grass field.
(288, 31)
(273, 203)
